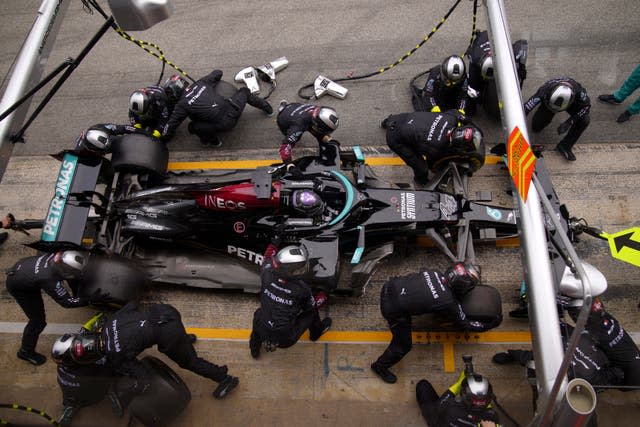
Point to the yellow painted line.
(449, 357)
(251, 164)
(373, 337)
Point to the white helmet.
(326, 120)
(292, 261)
(69, 263)
(453, 69)
(139, 102)
(561, 97)
(486, 67)
(476, 392)
(97, 139)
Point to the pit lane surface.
(329, 383)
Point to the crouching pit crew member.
(287, 305)
(295, 119)
(425, 292)
(466, 403)
(129, 332)
(422, 138)
(28, 278)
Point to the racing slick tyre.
(139, 154)
(116, 277)
(475, 160)
(483, 303)
(166, 397)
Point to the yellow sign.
(521, 162)
(625, 245)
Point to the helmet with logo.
(79, 348)
(452, 70)
(465, 139)
(561, 97)
(476, 392)
(69, 263)
(140, 102)
(292, 261)
(325, 120)
(486, 67)
(462, 278)
(94, 141)
(307, 202)
(174, 87)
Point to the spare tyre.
(139, 153)
(166, 397)
(116, 276)
(482, 303)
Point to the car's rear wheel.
(116, 276)
(483, 303)
(136, 153)
(475, 160)
(166, 397)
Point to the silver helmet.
(292, 261)
(486, 67)
(326, 120)
(452, 70)
(174, 87)
(97, 140)
(139, 102)
(561, 97)
(61, 350)
(476, 392)
(69, 263)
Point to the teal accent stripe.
(347, 187)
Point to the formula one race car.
(209, 228)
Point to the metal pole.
(28, 70)
(543, 315)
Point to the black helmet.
(452, 70)
(476, 392)
(69, 263)
(79, 348)
(561, 97)
(462, 278)
(307, 202)
(486, 67)
(140, 102)
(466, 138)
(292, 261)
(325, 119)
(174, 87)
(93, 140)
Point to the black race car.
(209, 228)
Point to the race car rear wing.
(69, 208)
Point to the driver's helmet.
(561, 97)
(69, 264)
(462, 278)
(452, 70)
(140, 102)
(292, 261)
(79, 348)
(307, 202)
(465, 139)
(93, 140)
(174, 87)
(476, 392)
(486, 67)
(325, 120)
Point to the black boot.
(254, 345)
(31, 356)
(3, 237)
(325, 326)
(68, 412)
(608, 99)
(566, 152)
(225, 386)
(386, 375)
(624, 117)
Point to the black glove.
(99, 297)
(564, 126)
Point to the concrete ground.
(329, 382)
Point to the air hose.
(416, 90)
(405, 56)
(27, 409)
(144, 45)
